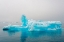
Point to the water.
(34, 36)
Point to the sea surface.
(33, 36)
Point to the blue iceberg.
(34, 25)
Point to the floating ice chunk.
(35, 25)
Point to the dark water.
(34, 36)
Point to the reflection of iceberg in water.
(33, 25)
(24, 36)
(36, 34)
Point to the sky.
(46, 10)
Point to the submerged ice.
(34, 25)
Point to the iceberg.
(34, 25)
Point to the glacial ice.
(34, 25)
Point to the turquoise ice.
(34, 25)
(24, 20)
